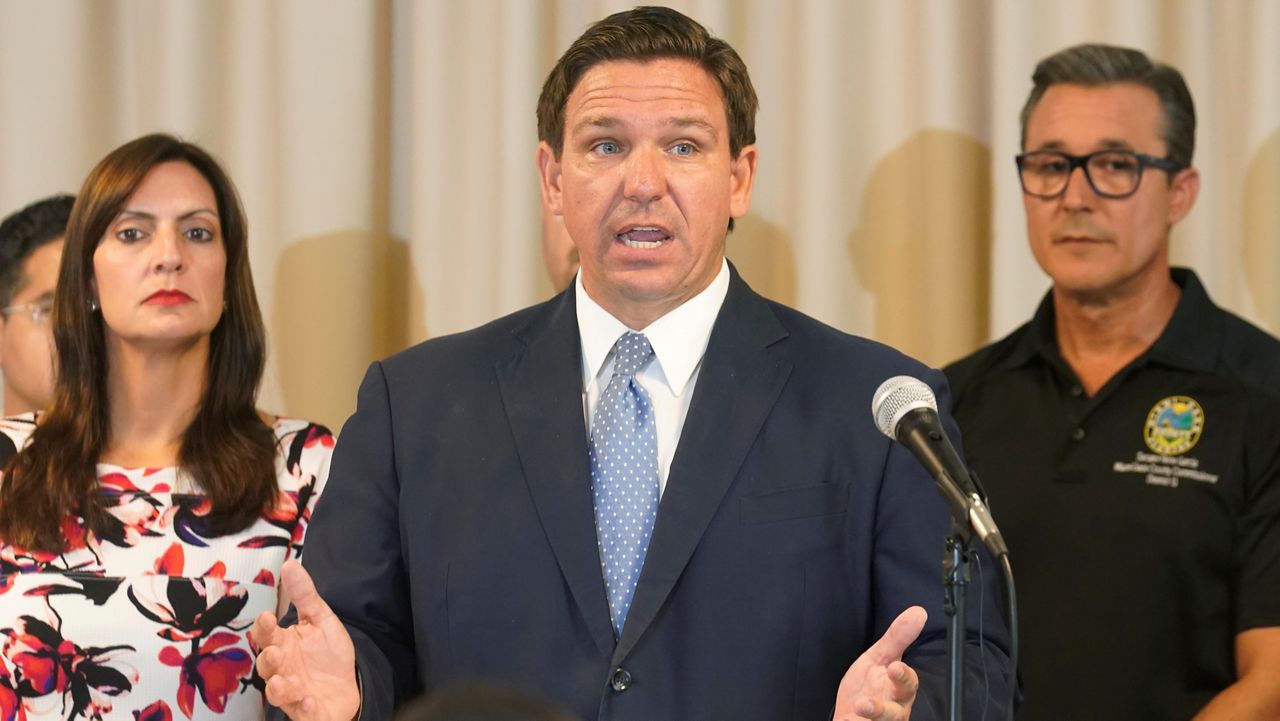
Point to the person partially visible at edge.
(657, 495)
(559, 254)
(30, 249)
(144, 522)
(1127, 433)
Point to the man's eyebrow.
(1105, 144)
(1115, 144)
(598, 121)
(698, 123)
(608, 122)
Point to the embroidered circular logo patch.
(1174, 425)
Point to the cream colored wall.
(384, 151)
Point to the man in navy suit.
(466, 533)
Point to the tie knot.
(630, 353)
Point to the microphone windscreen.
(898, 396)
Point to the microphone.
(906, 410)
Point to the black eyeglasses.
(1111, 173)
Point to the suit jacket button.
(621, 680)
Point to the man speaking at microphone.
(658, 496)
(1127, 434)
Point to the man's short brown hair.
(650, 33)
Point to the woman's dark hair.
(227, 450)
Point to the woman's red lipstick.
(167, 297)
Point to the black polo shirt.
(1143, 523)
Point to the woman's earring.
(93, 304)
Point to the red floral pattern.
(151, 616)
(158, 711)
(217, 669)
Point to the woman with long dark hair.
(144, 522)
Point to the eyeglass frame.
(1082, 162)
(43, 308)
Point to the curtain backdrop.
(384, 152)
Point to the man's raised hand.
(309, 667)
(879, 686)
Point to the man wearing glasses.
(1127, 433)
(30, 252)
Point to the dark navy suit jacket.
(456, 538)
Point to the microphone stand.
(955, 584)
(969, 515)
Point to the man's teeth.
(643, 237)
(640, 243)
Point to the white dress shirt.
(679, 340)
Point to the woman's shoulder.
(286, 427)
(15, 431)
(303, 453)
(303, 446)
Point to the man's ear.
(742, 178)
(1183, 191)
(549, 178)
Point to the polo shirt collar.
(1193, 337)
(1190, 340)
(1039, 339)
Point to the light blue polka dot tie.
(624, 474)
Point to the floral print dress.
(150, 619)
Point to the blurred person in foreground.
(30, 249)
(145, 519)
(480, 702)
(657, 495)
(1127, 433)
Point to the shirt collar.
(679, 338)
(1190, 340)
(1039, 339)
(1193, 338)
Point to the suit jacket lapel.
(737, 386)
(542, 392)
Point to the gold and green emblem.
(1174, 425)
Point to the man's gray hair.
(1093, 65)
